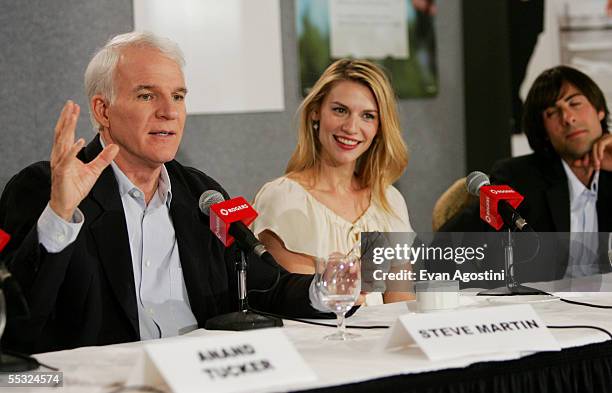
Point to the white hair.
(101, 69)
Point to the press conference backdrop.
(45, 48)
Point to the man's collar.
(164, 187)
(576, 187)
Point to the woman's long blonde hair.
(384, 162)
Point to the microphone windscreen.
(475, 180)
(209, 198)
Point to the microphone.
(229, 220)
(7, 281)
(6, 278)
(497, 202)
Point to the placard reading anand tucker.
(235, 362)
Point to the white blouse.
(307, 226)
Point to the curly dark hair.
(545, 92)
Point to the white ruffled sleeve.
(398, 206)
(284, 209)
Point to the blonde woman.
(338, 182)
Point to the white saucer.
(465, 302)
(518, 299)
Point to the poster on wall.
(397, 34)
(232, 48)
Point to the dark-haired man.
(567, 181)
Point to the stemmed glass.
(338, 283)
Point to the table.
(360, 365)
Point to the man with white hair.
(108, 241)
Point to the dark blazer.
(546, 206)
(84, 295)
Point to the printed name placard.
(236, 362)
(452, 334)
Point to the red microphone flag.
(490, 196)
(223, 214)
(4, 239)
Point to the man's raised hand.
(72, 179)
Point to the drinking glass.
(338, 283)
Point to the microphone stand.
(12, 361)
(513, 287)
(243, 319)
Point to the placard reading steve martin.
(459, 333)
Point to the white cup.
(437, 295)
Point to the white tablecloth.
(102, 369)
